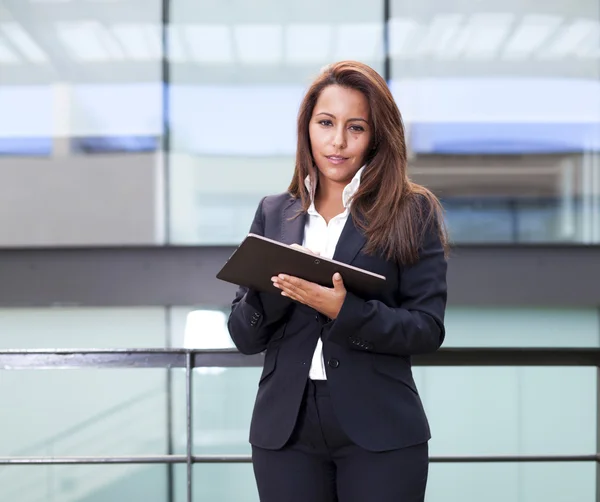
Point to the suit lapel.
(292, 226)
(351, 242)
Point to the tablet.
(258, 258)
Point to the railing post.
(598, 434)
(188, 406)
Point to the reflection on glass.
(65, 75)
(83, 412)
(502, 104)
(84, 483)
(502, 482)
(521, 327)
(82, 327)
(509, 410)
(81, 79)
(236, 87)
(217, 483)
(222, 405)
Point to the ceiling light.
(24, 43)
(209, 43)
(259, 43)
(140, 42)
(571, 38)
(590, 46)
(89, 41)
(483, 36)
(7, 56)
(308, 43)
(359, 41)
(530, 35)
(441, 32)
(403, 33)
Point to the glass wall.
(501, 102)
(81, 123)
(473, 410)
(87, 412)
(104, 143)
(235, 96)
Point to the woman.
(337, 416)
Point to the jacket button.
(333, 363)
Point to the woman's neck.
(328, 199)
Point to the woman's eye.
(357, 128)
(325, 122)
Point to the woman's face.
(340, 133)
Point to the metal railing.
(228, 358)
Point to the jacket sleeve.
(256, 316)
(416, 326)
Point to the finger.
(283, 284)
(338, 282)
(291, 293)
(294, 282)
(296, 287)
(302, 248)
(292, 290)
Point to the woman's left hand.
(328, 301)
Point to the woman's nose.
(339, 139)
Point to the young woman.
(337, 416)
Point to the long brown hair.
(393, 212)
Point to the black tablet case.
(258, 258)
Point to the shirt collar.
(349, 190)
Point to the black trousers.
(320, 463)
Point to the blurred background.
(136, 140)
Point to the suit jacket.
(367, 349)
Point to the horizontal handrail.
(228, 459)
(197, 358)
(227, 358)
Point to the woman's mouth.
(336, 159)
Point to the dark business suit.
(366, 349)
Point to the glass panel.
(520, 416)
(83, 412)
(223, 399)
(550, 482)
(86, 411)
(521, 327)
(81, 79)
(510, 411)
(34, 328)
(84, 483)
(217, 483)
(206, 327)
(244, 67)
(502, 106)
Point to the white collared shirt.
(322, 238)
